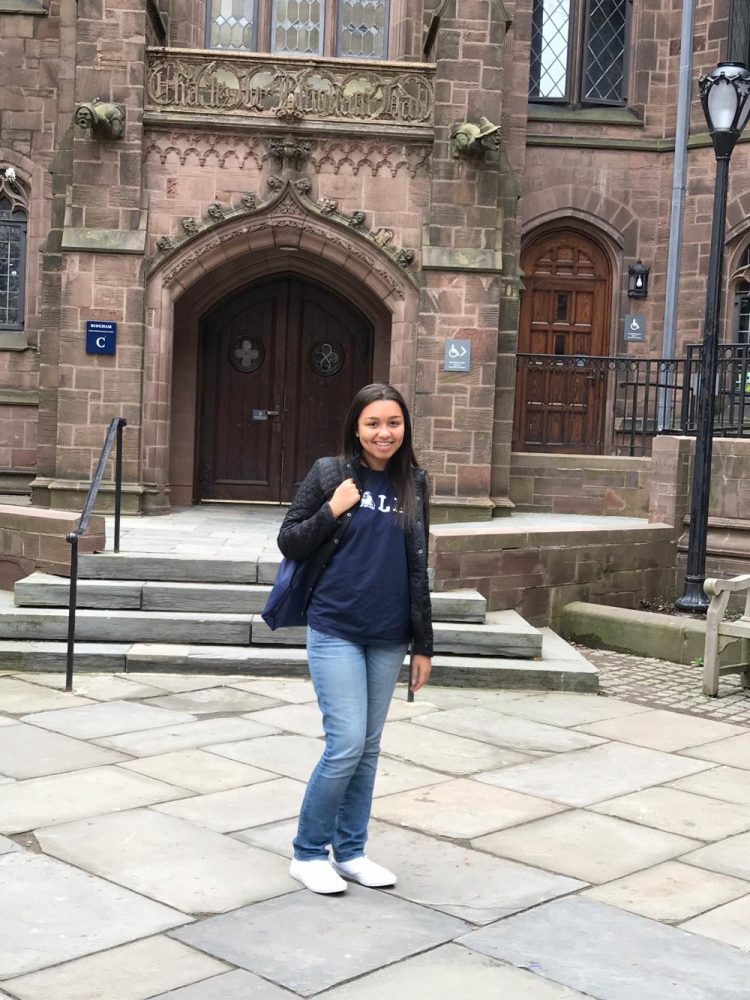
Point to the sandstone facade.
(236, 170)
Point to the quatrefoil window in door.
(246, 354)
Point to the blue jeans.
(354, 685)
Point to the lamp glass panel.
(722, 105)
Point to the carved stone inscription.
(197, 83)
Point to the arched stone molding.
(283, 236)
(570, 201)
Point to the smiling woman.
(363, 531)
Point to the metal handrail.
(114, 434)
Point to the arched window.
(352, 29)
(741, 332)
(12, 252)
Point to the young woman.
(362, 522)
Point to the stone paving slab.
(558, 708)
(587, 776)
(460, 881)
(461, 809)
(730, 856)
(275, 837)
(729, 923)
(442, 751)
(170, 860)
(585, 846)
(29, 752)
(8, 845)
(177, 683)
(292, 755)
(608, 953)
(451, 972)
(89, 914)
(138, 971)
(379, 929)
(730, 784)
(187, 736)
(670, 892)
(680, 812)
(295, 691)
(303, 719)
(199, 771)
(506, 731)
(99, 687)
(108, 719)
(239, 808)
(216, 699)
(236, 985)
(668, 731)
(734, 751)
(18, 697)
(60, 798)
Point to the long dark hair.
(402, 464)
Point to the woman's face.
(380, 430)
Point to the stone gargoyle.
(470, 140)
(103, 119)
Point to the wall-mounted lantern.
(637, 280)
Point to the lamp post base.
(694, 598)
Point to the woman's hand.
(420, 671)
(345, 496)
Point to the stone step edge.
(564, 670)
(60, 588)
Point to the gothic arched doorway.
(565, 312)
(279, 364)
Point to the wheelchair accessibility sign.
(101, 336)
(457, 356)
(635, 327)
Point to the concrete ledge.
(644, 633)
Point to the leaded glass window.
(297, 27)
(232, 24)
(578, 51)
(550, 44)
(12, 258)
(604, 52)
(362, 29)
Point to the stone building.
(264, 205)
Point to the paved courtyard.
(549, 847)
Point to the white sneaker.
(365, 872)
(317, 875)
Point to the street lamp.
(725, 96)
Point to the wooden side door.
(281, 363)
(564, 314)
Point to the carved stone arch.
(288, 234)
(592, 208)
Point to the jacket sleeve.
(309, 522)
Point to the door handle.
(265, 414)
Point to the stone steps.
(43, 590)
(141, 612)
(503, 634)
(560, 667)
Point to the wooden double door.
(280, 364)
(564, 318)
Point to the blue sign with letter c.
(101, 336)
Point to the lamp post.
(725, 96)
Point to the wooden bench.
(717, 629)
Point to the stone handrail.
(291, 89)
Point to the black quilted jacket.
(310, 531)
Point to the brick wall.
(35, 540)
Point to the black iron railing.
(114, 436)
(619, 404)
